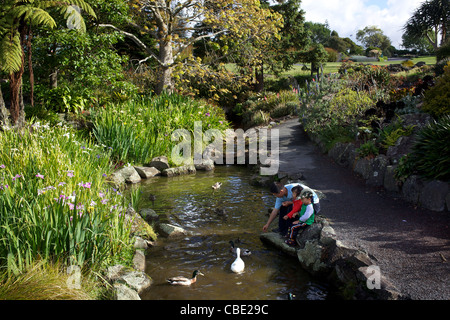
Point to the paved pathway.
(408, 243)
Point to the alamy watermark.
(263, 147)
(373, 275)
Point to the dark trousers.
(283, 225)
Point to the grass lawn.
(334, 66)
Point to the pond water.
(237, 212)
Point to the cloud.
(347, 17)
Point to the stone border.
(351, 270)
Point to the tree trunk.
(164, 81)
(4, 114)
(54, 79)
(259, 75)
(30, 65)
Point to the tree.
(176, 20)
(17, 18)
(428, 21)
(318, 32)
(372, 36)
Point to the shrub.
(430, 154)
(437, 99)
(408, 64)
(367, 149)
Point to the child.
(306, 217)
(296, 205)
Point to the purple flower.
(70, 173)
(18, 176)
(207, 114)
(2, 166)
(40, 176)
(71, 206)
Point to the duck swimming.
(244, 252)
(238, 265)
(216, 185)
(183, 281)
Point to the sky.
(348, 16)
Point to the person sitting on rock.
(306, 218)
(283, 204)
(293, 215)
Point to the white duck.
(238, 265)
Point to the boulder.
(343, 153)
(401, 148)
(363, 167)
(412, 188)
(390, 183)
(139, 260)
(377, 170)
(139, 227)
(147, 172)
(123, 292)
(125, 175)
(274, 239)
(169, 230)
(177, 171)
(310, 257)
(159, 163)
(433, 195)
(136, 280)
(149, 215)
(205, 165)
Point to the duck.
(152, 198)
(238, 265)
(216, 185)
(244, 252)
(183, 281)
(291, 296)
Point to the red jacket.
(297, 206)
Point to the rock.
(122, 292)
(390, 183)
(363, 167)
(115, 272)
(168, 230)
(139, 260)
(160, 163)
(149, 215)
(327, 235)
(139, 227)
(125, 175)
(343, 153)
(433, 195)
(377, 172)
(274, 239)
(412, 188)
(401, 148)
(310, 257)
(205, 165)
(177, 171)
(147, 172)
(308, 234)
(447, 201)
(140, 243)
(136, 280)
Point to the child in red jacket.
(293, 216)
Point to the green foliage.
(368, 149)
(54, 202)
(430, 154)
(408, 64)
(437, 99)
(389, 135)
(140, 129)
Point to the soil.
(411, 245)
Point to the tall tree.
(17, 18)
(428, 21)
(176, 20)
(372, 36)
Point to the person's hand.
(296, 222)
(286, 217)
(265, 228)
(286, 203)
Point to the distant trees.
(373, 37)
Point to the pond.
(235, 212)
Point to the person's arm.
(271, 218)
(296, 207)
(308, 213)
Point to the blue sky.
(349, 16)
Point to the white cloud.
(347, 17)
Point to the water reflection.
(237, 211)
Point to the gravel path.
(410, 244)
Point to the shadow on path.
(409, 244)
